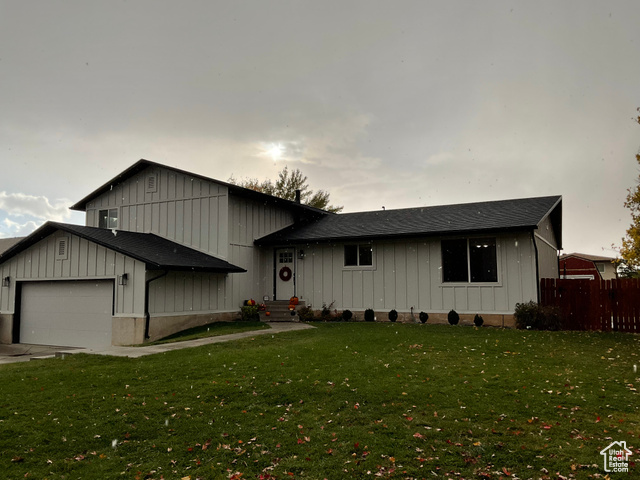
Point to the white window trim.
(469, 283)
(360, 267)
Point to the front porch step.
(279, 311)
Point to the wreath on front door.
(285, 274)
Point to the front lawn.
(347, 400)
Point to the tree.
(630, 250)
(285, 187)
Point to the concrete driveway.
(21, 352)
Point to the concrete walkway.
(33, 352)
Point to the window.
(285, 257)
(464, 259)
(482, 260)
(358, 256)
(600, 267)
(454, 261)
(108, 218)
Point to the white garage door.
(67, 313)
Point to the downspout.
(147, 316)
(535, 249)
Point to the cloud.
(19, 204)
(15, 229)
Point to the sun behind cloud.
(275, 151)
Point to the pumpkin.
(268, 314)
(251, 302)
(294, 301)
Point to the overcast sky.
(381, 103)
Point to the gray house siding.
(182, 208)
(85, 261)
(203, 215)
(546, 244)
(407, 273)
(249, 220)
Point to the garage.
(67, 313)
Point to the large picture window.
(469, 260)
(358, 256)
(108, 218)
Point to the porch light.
(123, 279)
(6, 281)
(300, 254)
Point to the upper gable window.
(473, 259)
(358, 256)
(108, 218)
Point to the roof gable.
(157, 253)
(480, 217)
(143, 164)
(588, 257)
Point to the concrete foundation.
(490, 319)
(160, 327)
(6, 328)
(127, 331)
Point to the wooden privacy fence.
(605, 305)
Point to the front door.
(285, 273)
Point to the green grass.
(211, 330)
(348, 400)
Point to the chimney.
(298, 196)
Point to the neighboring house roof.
(585, 256)
(142, 164)
(156, 252)
(7, 243)
(483, 217)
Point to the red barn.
(582, 265)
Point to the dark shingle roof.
(519, 214)
(156, 252)
(7, 243)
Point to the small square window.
(285, 257)
(358, 255)
(108, 218)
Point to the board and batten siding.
(85, 260)
(248, 221)
(188, 293)
(202, 215)
(546, 243)
(408, 274)
(185, 209)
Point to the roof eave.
(265, 241)
(50, 227)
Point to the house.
(584, 266)
(7, 243)
(163, 249)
